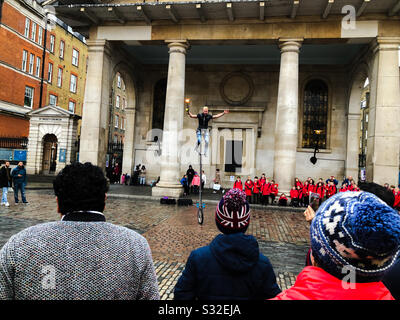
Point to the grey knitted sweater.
(77, 260)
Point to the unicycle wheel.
(200, 216)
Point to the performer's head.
(205, 110)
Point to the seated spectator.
(81, 257)
(396, 193)
(283, 200)
(231, 267)
(355, 238)
(343, 188)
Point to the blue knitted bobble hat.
(357, 230)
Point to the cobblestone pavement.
(173, 232)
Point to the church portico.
(282, 79)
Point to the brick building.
(21, 55)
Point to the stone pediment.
(51, 111)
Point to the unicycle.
(200, 204)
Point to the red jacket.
(283, 197)
(274, 189)
(306, 190)
(256, 187)
(298, 183)
(238, 185)
(248, 186)
(331, 190)
(343, 189)
(320, 191)
(396, 200)
(294, 194)
(311, 188)
(266, 189)
(314, 283)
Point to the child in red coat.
(297, 183)
(331, 190)
(306, 194)
(283, 200)
(238, 184)
(396, 204)
(266, 191)
(262, 179)
(320, 189)
(273, 191)
(294, 197)
(256, 190)
(300, 194)
(343, 188)
(248, 189)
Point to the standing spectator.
(306, 193)
(81, 257)
(348, 180)
(196, 183)
(265, 192)
(217, 179)
(294, 197)
(263, 179)
(273, 191)
(331, 190)
(238, 184)
(5, 182)
(257, 186)
(231, 266)
(117, 173)
(19, 181)
(320, 189)
(343, 188)
(135, 178)
(185, 184)
(332, 179)
(190, 175)
(248, 189)
(203, 180)
(142, 176)
(396, 204)
(297, 182)
(300, 195)
(355, 238)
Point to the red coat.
(306, 190)
(396, 200)
(294, 194)
(248, 187)
(238, 185)
(282, 197)
(274, 189)
(314, 283)
(262, 181)
(266, 189)
(331, 190)
(343, 189)
(311, 188)
(298, 183)
(256, 187)
(320, 191)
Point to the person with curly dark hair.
(81, 257)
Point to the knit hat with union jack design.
(233, 212)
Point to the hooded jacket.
(230, 268)
(16, 171)
(314, 283)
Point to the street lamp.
(187, 104)
(317, 132)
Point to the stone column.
(383, 141)
(353, 144)
(93, 143)
(173, 122)
(129, 150)
(286, 129)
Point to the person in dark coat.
(231, 266)
(190, 175)
(5, 182)
(19, 180)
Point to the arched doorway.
(49, 159)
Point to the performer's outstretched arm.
(220, 114)
(191, 115)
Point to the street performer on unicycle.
(202, 130)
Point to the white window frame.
(31, 63)
(69, 106)
(38, 64)
(40, 35)
(34, 29)
(117, 101)
(32, 94)
(62, 49)
(59, 77)
(52, 43)
(27, 27)
(73, 84)
(24, 60)
(119, 81)
(52, 96)
(75, 57)
(116, 121)
(50, 73)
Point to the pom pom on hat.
(355, 229)
(233, 212)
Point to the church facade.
(291, 73)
